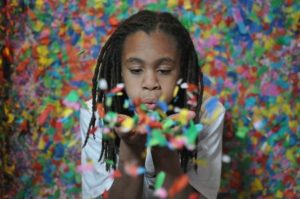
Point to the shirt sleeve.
(96, 179)
(206, 179)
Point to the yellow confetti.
(67, 112)
(183, 116)
(175, 92)
(187, 5)
(290, 154)
(39, 4)
(172, 3)
(10, 118)
(269, 43)
(10, 169)
(127, 124)
(213, 116)
(256, 185)
(38, 26)
(72, 143)
(266, 148)
(99, 4)
(287, 109)
(41, 144)
(279, 194)
(42, 50)
(293, 124)
(201, 162)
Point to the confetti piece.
(161, 193)
(89, 167)
(226, 158)
(159, 180)
(211, 105)
(127, 124)
(72, 97)
(178, 185)
(102, 84)
(242, 132)
(201, 162)
(133, 170)
(116, 174)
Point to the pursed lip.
(150, 103)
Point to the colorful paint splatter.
(249, 51)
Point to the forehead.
(150, 45)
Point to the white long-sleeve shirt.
(206, 179)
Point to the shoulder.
(87, 108)
(86, 112)
(212, 110)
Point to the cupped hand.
(179, 119)
(133, 136)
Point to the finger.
(125, 130)
(140, 129)
(121, 133)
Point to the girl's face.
(150, 66)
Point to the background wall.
(250, 55)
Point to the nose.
(150, 81)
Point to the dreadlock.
(109, 67)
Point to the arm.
(167, 160)
(132, 149)
(96, 179)
(127, 186)
(206, 179)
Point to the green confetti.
(72, 96)
(242, 132)
(193, 132)
(160, 180)
(157, 138)
(168, 123)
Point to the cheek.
(131, 88)
(168, 91)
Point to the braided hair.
(109, 67)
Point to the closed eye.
(136, 71)
(164, 71)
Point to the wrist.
(131, 155)
(166, 160)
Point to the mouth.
(150, 106)
(150, 103)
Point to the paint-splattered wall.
(251, 59)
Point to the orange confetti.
(113, 21)
(100, 109)
(178, 185)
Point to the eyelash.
(164, 72)
(138, 71)
(135, 71)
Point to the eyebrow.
(158, 61)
